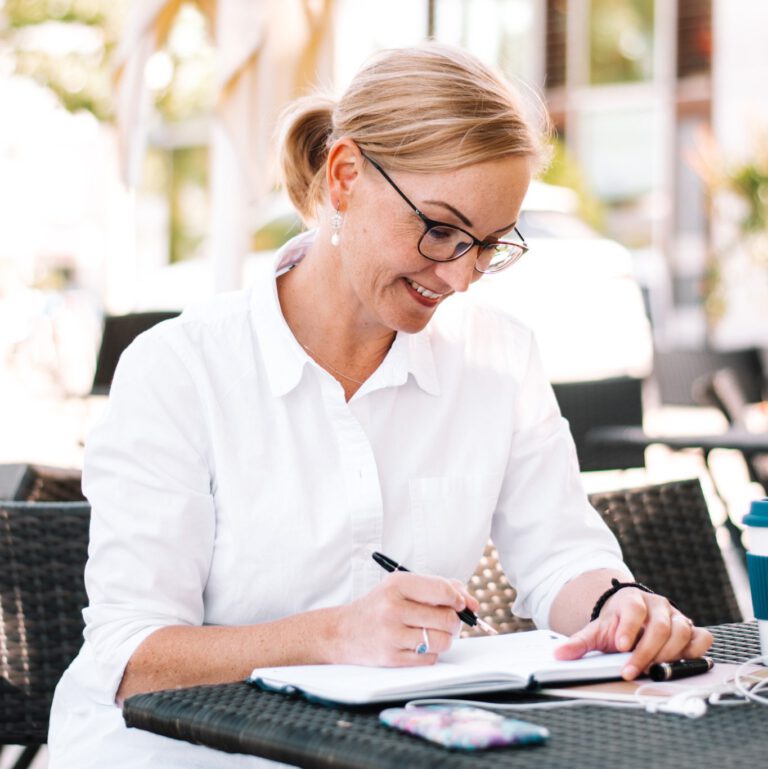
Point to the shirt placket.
(360, 477)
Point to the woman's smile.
(423, 295)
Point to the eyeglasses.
(443, 242)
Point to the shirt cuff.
(108, 667)
(538, 603)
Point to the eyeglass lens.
(444, 243)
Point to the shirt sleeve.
(545, 529)
(147, 477)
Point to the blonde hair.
(422, 109)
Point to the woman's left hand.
(644, 623)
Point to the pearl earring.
(336, 227)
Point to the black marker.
(670, 671)
(466, 615)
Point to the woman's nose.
(460, 273)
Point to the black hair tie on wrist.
(615, 587)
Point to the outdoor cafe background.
(200, 79)
(135, 173)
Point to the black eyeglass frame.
(431, 223)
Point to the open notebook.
(480, 664)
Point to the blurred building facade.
(632, 86)
(629, 84)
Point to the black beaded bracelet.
(615, 587)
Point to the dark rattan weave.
(38, 483)
(238, 718)
(669, 543)
(43, 549)
(667, 539)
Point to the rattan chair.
(668, 541)
(40, 483)
(43, 550)
(489, 584)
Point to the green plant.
(737, 194)
(565, 172)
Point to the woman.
(258, 449)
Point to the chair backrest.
(724, 390)
(669, 542)
(39, 483)
(43, 550)
(489, 584)
(616, 401)
(676, 370)
(119, 331)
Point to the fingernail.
(624, 642)
(629, 672)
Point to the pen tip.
(488, 628)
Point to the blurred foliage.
(178, 179)
(183, 72)
(275, 232)
(621, 40)
(566, 172)
(66, 45)
(69, 47)
(750, 183)
(189, 200)
(745, 183)
(23, 12)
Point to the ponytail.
(307, 126)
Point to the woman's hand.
(644, 622)
(386, 626)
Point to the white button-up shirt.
(232, 483)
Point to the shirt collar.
(412, 354)
(284, 357)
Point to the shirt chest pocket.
(451, 519)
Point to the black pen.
(670, 671)
(466, 615)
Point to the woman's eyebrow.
(459, 215)
(454, 211)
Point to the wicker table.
(240, 719)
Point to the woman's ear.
(342, 170)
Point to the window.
(556, 48)
(694, 37)
(621, 41)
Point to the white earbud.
(683, 704)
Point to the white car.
(576, 290)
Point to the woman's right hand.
(385, 627)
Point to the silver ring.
(423, 647)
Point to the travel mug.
(756, 521)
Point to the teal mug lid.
(758, 513)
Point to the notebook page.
(358, 684)
(511, 658)
(530, 653)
